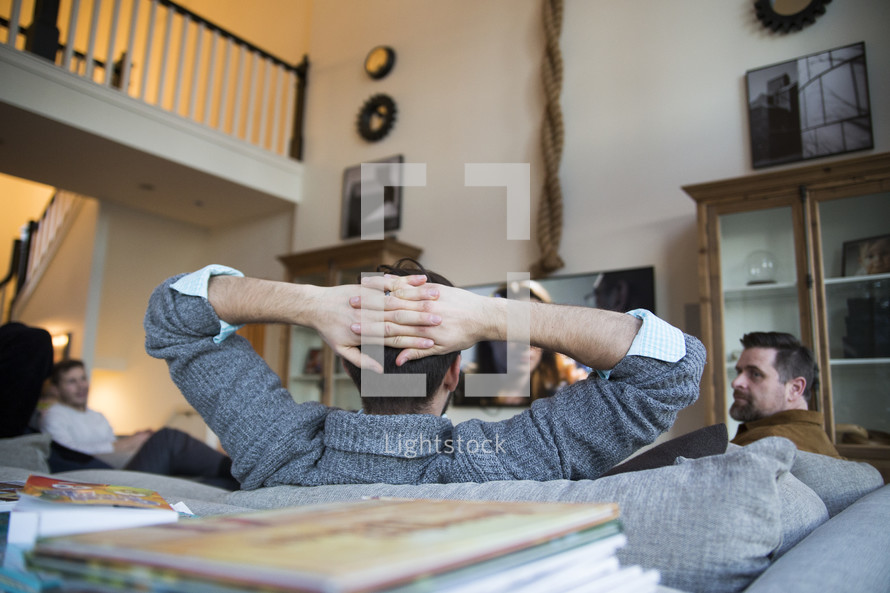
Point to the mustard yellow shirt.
(805, 428)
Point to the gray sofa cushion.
(709, 524)
(30, 451)
(838, 482)
(845, 555)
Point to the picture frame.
(615, 290)
(864, 257)
(353, 214)
(810, 107)
(313, 364)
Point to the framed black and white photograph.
(810, 107)
(372, 209)
(864, 257)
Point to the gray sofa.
(765, 517)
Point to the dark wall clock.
(376, 117)
(789, 15)
(380, 61)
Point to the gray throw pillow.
(802, 512)
(838, 482)
(30, 451)
(710, 524)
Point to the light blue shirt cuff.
(195, 284)
(656, 339)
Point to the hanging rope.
(552, 133)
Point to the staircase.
(35, 249)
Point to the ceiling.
(44, 150)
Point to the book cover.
(367, 545)
(9, 494)
(51, 507)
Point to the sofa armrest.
(846, 553)
(30, 451)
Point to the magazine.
(53, 507)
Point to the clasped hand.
(418, 317)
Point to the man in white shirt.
(72, 424)
(167, 451)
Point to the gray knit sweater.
(579, 433)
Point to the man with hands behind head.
(648, 372)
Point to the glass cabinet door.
(305, 368)
(759, 288)
(331, 266)
(855, 253)
(344, 393)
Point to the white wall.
(653, 99)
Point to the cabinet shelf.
(761, 291)
(856, 279)
(306, 378)
(859, 361)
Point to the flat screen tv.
(546, 372)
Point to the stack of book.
(392, 545)
(50, 507)
(43, 506)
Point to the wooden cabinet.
(781, 251)
(314, 372)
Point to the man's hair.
(62, 367)
(434, 367)
(793, 359)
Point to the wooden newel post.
(296, 141)
(42, 37)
